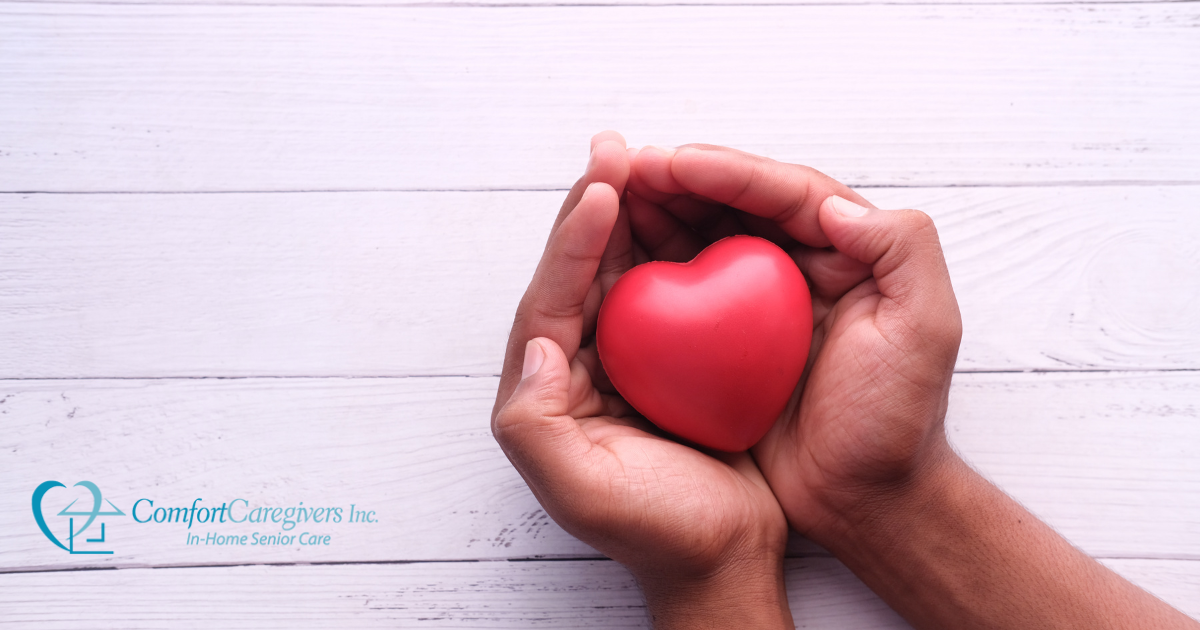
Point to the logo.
(73, 533)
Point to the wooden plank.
(293, 284)
(1086, 453)
(436, 595)
(426, 283)
(581, 594)
(1108, 459)
(220, 98)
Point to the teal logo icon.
(75, 531)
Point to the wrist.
(747, 593)
(846, 515)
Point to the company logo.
(73, 532)
(233, 523)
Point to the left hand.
(701, 532)
(865, 423)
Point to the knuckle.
(523, 308)
(702, 146)
(802, 186)
(504, 422)
(515, 421)
(753, 177)
(915, 222)
(807, 173)
(538, 308)
(916, 236)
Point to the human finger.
(543, 442)
(765, 228)
(614, 262)
(608, 162)
(661, 234)
(652, 180)
(553, 305)
(909, 268)
(650, 175)
(788, 194)
(712, 222)
(830, 274)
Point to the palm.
(833, 435)
(673, 497)
(830, 427)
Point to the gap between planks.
(532, 559)
(572, 5)
(487, 189)
(1147, 372)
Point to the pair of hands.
(863, 427)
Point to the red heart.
(709, 350)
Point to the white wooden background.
(271, 249)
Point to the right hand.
(859, 459)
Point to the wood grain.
(1110, 460)
(139, 308)
(396, 284)
(579, 594)
(255, 98)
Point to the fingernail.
(591, 160)
(846, 207)
(587, 192)
(533, 359)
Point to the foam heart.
(709, 350)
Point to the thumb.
(539, 438)
(907, 262)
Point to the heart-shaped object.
(709, 350)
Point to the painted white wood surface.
(256, 98)
(1082, 256)
(1111, 460)
(309, 284)
(579, 594)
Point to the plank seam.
(301, 564)
(1130, 372)
(1183, 558)
(509, 5)
(1034, 184)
